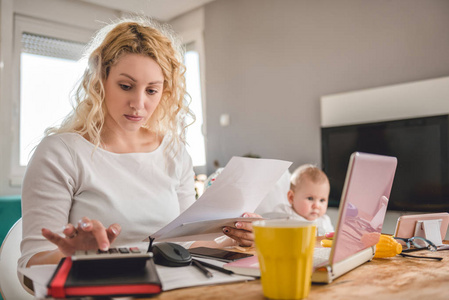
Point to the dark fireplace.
(421, 146)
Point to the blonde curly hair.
(136, 36)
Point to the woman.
(118, 163)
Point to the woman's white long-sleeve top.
(69, 178)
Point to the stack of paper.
(239, 188)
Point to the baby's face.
(310, 199)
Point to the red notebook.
(245, 266)
(69, 280)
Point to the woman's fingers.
(247, 225)
(64, 244)
(52, 237)
(70, 231)
(95, 228)
(88, 234)
(85, 224)
(99, 232)
(251, 215)
(113, 231)
(243, 231)
(243, 237)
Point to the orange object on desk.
(326, 243)
(387, 247)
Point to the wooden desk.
(388, 278)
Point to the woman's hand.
(87, 235)
(242, 233)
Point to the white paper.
(203, 230)
(181, 277)
(239, 188)
(40, 275)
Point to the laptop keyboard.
(321, 255)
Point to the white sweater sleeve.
(186, 190)
(48, 188)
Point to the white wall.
(269, 62)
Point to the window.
(49, 69)
(195, 137)
(46, 68)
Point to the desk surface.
(388, 278)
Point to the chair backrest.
(10, 286)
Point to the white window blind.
(51, 47)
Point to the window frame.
(196, 37)
(43, 28)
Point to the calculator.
(122, 258)
(112, 253)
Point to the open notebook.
(363, 206)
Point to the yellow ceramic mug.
(285, 252)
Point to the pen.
(200, 267)
(214, 267)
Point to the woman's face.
(133, 90)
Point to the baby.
(308, 198)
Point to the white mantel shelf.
(403, 101)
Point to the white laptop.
(363, 206)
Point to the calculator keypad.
(112, 253)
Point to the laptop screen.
(363, 203)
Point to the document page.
(181, 277)
(240, 188)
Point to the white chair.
(10, 286)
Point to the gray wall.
(268, 62)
